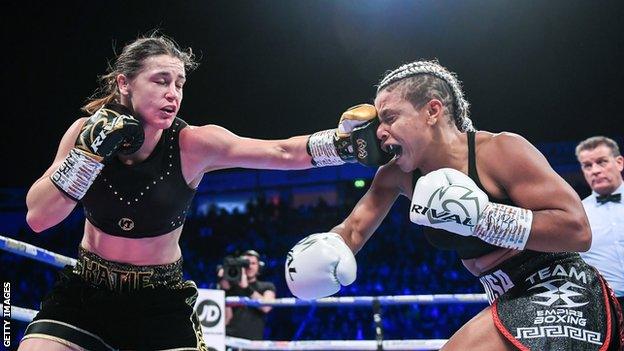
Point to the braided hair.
(422, 81)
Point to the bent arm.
(559, 220)
(48, 206)
(372, 208)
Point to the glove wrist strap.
(504, 226)
(322, 149)
(76, 174)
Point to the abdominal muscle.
(478, 266)
(158, 250)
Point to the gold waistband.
(123, 277)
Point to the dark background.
(549, 70)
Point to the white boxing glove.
(318, 265)
(448, 199)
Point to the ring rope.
(408, 344)
(26, 315)
(366, 301)
(42, 255)
(39, 254)
(31, 251)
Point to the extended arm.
(212, 147)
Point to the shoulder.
(76, 126)
(509, 160)
(509, 149)
(79, 122)
(503, 142)
(192, 131)
(208, 135)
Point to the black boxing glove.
(338, 146)
(109, 130)
(367, 148)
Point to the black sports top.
(143, 200)
(466, 246)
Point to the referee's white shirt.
(607, 248)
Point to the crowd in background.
(397, 260)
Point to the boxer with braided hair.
(490, 197)
(428, 79)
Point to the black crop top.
(146, 199)
(466, 246)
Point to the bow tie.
(603, 199)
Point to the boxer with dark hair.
(491, 197)
(135, 167)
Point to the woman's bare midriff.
(158, 250)
(479, 265)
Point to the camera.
(233, 268)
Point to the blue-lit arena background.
(549, 70)
(270, 211)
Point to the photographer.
(238, 277)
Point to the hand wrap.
(448, 199)
(76, 174)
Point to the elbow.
(36, 223)
(585, 241)
(584, 235)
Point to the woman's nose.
(382, 133)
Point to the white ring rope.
(21, 314)
(408, 344)
(366, 301)
(26, 315)
(31, 251)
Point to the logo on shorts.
(126, 224)
(496, 284)
(208, 313)
(558, 296)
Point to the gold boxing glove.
(354, 117)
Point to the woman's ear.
(123, 84)
(434, 111)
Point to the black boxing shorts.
(105, 305)
(553, 301)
